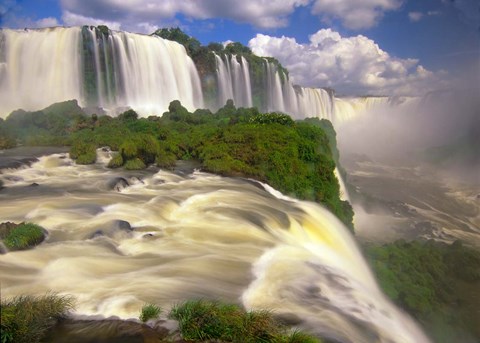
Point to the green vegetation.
(202, 320)
(83, 152)
(116, 161)
(25, 319)
(135, 164)
(150, 311)
(24, 236)
(436, 283)
(297, 158)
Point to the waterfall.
(300, 102)
(348, 108)
(39, 67)
(233, 78)
(109, 70)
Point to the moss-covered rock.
(116, 161)
(83, 152)
(135, 164)
(21, 236)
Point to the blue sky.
(359, 46)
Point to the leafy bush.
(210, 320)
(135, 164)
(83, 152)
(116, 161)
(270, 118)
(149, 311)
(24, 236)
(25, 319)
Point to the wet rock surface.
(111, 331)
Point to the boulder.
(117, 184)
(113, 229)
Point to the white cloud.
(415, 16)
(261, 13)
(47, 22)
(351, 65)
(355, 14)
(72, 19)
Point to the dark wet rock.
(186, 167)
(289, 319)
(34, 184)
(106, 331)
(3, 248)
(117, 184)
(113, 229)
(147, 235)
(134, 179)
(16, 163)
(478, 196)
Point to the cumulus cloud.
(351, 65)
(72, 19)
(47, 22)
(261, 13)
(355, 14)
(415, 16)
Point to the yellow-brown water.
(192, 236)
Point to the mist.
(441, 129)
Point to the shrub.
(165, 160)
(83, 152)
(25, 319)
(24, 236)
(116, 161)
(88, 158)
(211, 320)
(135, 164)
(149, 311)
(128, 149)
(128, 115)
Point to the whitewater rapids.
(193, 236)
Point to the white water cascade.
(233, 79)
(165, 238)
(300, 102)
(42, 66)
(39, 67)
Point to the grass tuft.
(25, 319)
(24, 236)
(135, 164)
(150, 311)
(201, 320)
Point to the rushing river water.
(118, 239)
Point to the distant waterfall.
(300, 102)
(109, 70)
(233, 81)
(39, 67)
